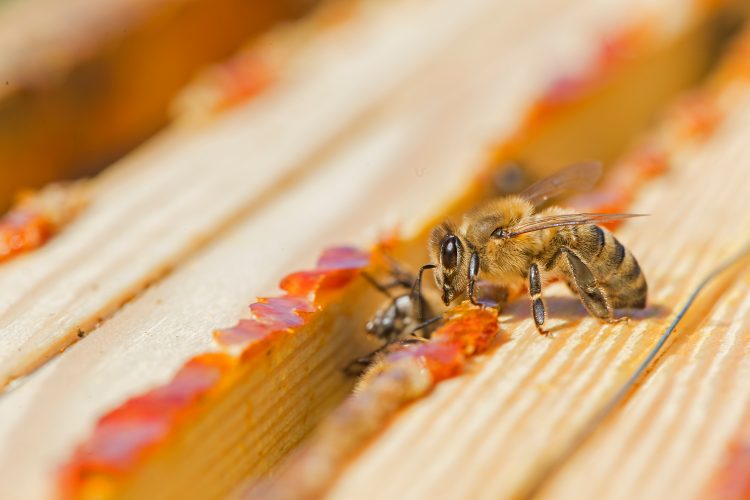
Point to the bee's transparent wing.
(544, 222)
(577, 177)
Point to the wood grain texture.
(264, 193)
(527, 399)
(168, 199)
(82, 81)
(149, 338)
(671, 435)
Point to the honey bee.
(506, 240)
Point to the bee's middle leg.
(537, 304)
(588, 289)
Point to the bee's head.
(448, 251)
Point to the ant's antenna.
(377, 285)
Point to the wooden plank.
(694, 398)
(494, 430)
(233, 166)
(196, 301)
(149, 338)
(82, 82)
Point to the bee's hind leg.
(537, 304)
(588, 289)
(621, 319)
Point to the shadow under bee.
(573, 311)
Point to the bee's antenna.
(416, 291)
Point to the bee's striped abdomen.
(616, 269)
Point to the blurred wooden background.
(353, 119)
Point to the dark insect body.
(401, 320)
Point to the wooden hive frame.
(488, 448)
(83, 82)
(237, 219)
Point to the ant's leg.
(378, 286)
(401, 277)
(412, 339)
(537, 304)
(357, 366)
(423, 325)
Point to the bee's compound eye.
(449, 252)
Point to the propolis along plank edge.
(146, 342)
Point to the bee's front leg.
(473, 272)
(537, 304)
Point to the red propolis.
(123, 436)
(127, 434)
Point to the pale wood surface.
(165, 201)
(673, 433)
(411, 115)
(413, 147)
(487, 434)
(84, 81)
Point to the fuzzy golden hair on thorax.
(479, 224)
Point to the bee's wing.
(548, 221)
(577, 177)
